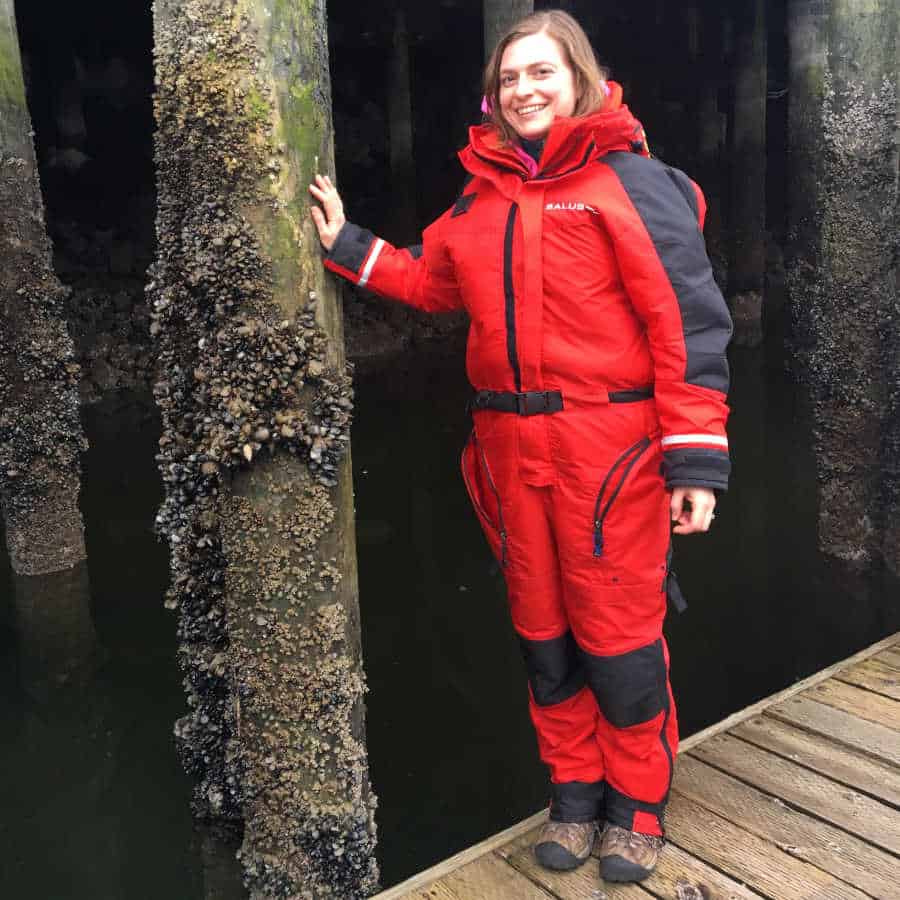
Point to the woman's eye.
(545, 72)
(507, 80)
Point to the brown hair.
(590, 78)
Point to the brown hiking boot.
(564, 845)
(628, 855)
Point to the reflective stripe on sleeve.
(367, 271)
(713, 439)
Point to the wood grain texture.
(858, 702)
(756, 862)
(493, 878)
(678, 870)
(816, 752)
(813, 793)
(840, 726)
(890, 656)
(425, 878)
(843, 855)
(874, 675)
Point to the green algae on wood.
(255, 450)
(12, 85)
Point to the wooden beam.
(492, 878)
(748, 858)
(803, 789)
(843, 855)
(867, 737)
(817, 752)
(874, 675)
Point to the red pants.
(575, 509)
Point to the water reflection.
(56, 641)
(93, 803)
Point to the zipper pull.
(598, 538)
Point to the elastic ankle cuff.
(576, 801)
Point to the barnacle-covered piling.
(40, 428)
(254, 454)
(842, 264)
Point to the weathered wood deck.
(794, 797)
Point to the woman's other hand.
(329, 218)
(695, 515)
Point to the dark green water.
(92, 800)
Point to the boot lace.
(633, 840)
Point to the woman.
(597, 353)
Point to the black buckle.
(533, 403)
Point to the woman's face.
(536, 85)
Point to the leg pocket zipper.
(472, 489)
(623, 466)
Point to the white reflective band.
(367, 271)
(695, 439)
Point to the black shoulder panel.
(462, 204)
(665, 200)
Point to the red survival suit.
(597, 351)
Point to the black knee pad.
(631, 687)
(554, 668)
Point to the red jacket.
(588, 277)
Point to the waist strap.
(535, 403)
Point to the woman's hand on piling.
(329, 218)
(692, 509)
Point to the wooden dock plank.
(808, 791)
(816, 752)
(873, 675)
(750, 859)
(487, 878)
(582, 884)
(875, 740)
(890, 657)
(858, 702)
(843, 855)
(425, 878)
(437, 890)
(678, 872)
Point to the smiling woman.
(550, 53)
(532, 94)
(598, 416)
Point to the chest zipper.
(623, 465)
(509, 295)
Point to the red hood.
(571, 142)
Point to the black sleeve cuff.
(351, 247)
(696, 467)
